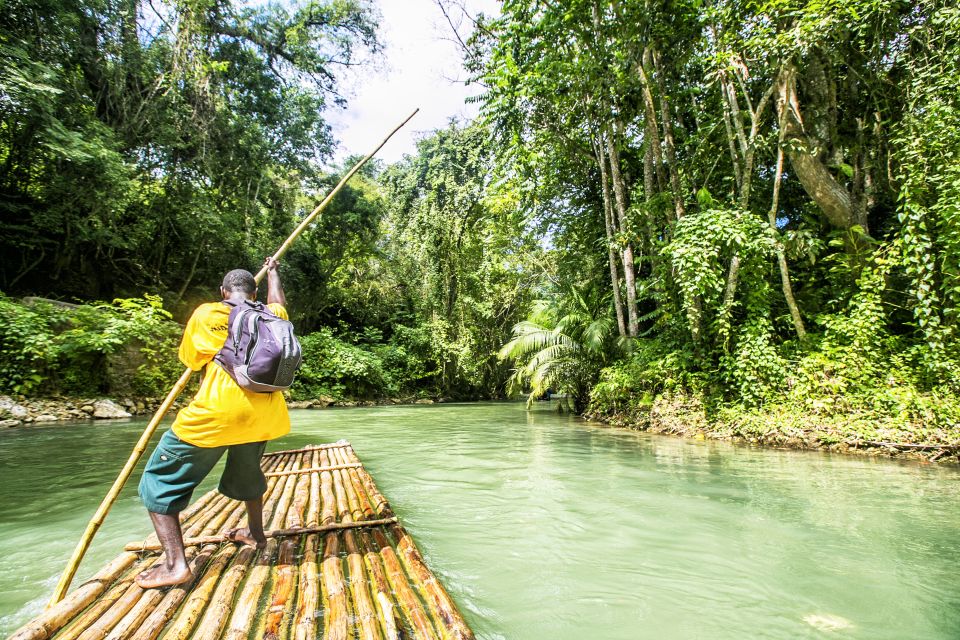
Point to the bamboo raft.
(337, 565)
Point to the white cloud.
(420, 67)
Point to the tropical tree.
(561, 347)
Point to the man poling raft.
(225, 416)
(97, 520)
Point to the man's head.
(239, 281)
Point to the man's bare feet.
(163, 576)
(244, 536)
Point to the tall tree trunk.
(729, 298)
(731, 142)
(629, 273)
(611, 240)
(650, 120)
(832, 197)
(781, 255)
(666, 120)
(746, 146)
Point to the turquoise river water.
(543, 526)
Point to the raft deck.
(337, 564)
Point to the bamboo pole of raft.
(276, 618)
(90, 616)
(307, 470)
(335, 619)
(53, 618)
(108, 619)
(409, 602)
(365, 610)
(308, 595)
(440, 603)
(185, 622)
(249, 599)
(340, 444)
(379, 585)
(218, 611)
(101, 513)
(154, 623)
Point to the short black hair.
(240, 280)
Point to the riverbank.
(19, 411)
(683, 415)
(785, 426)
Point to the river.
(543, 526)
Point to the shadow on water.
(542, 525)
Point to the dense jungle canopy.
(752, 207)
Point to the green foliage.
(928, 142)
(194, 129)
(339, 370)
(629, 387)
(464, 256)
(128, 347)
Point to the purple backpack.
(261, 353)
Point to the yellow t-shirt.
(222, 413)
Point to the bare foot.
(163, 576)
(244, 536)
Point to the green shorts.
(177, 467)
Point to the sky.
(420, 67)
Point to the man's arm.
(274, 288)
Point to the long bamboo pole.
(94, 525)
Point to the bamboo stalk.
(248, 601)
(94, 525)
(363, 510)
(53, 618)
(283, 503)
(230, 509)
(328, 505)
(89, 617)
(137, 614)
(366, 610)
(218, 611)
(200, 595)
(380, 586)
(359, 583)
(335, 467)
(314, 447)
(379, 502)
(109, 618)
(309, 219)
(276, 494)
(313, 507)
(407, 598)
(203, 519)
(409, 603)
(438, 600)
(308, 595)
(274, 533)
(436, 597)
(276, 618)
(335, 616)
(301, 495)
(151, 627)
